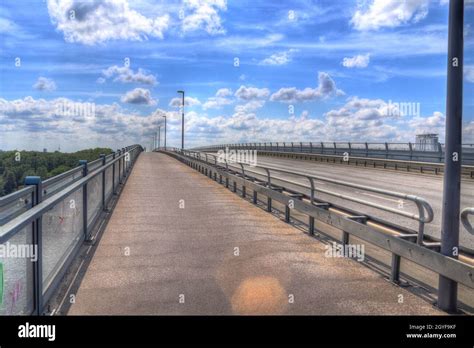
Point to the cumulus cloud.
(138, 96)
(468, 133)
(250, 106)
(203, 15)
(280, 58)
(220, 99)
(376, 14)
(44, 84)
(431, 124)
(326, 89)
(188, 101)
(91, 22)
(363, 109)
(126, 75)
(224, 92)
(358, 61)
(249, 93)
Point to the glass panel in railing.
(94, 198)
(14, 205)
(50, 187)
(17, 256)
(62, 232)
(108, 183)
(116, 164)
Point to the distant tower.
(427, 142)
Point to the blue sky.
(253, 71)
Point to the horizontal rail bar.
(19, 222)
(465, 219)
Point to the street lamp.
(182, 120)
(165, 130)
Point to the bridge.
(186, 232)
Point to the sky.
(76, 74)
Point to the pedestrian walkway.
(180, 243)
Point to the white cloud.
(469, 73)
(280, 58)
(249, 93)
(250, 106)
(91, 22)
(204, 15)
(326, 89)
(220, 99)
(44, 84)
(126, 75)
(468, 133)
(377, 14)
(188, 101)
(431, 124)
(224, 92)
(107, 125)
(364, 109)
(358, 61)
(138, 96)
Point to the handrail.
(465, 219)
(16, 224)
(425, 211)
(43, 204)
(408, 150)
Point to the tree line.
(16, 165)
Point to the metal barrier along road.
(394, 151)
(401, 245)
(465, 219)
(425, 211)
(45, 224)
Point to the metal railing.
(465, 219)
(53, 219)
(396, 151)
(401, 246)
(425, 211)
(408, 166)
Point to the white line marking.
(381, 197)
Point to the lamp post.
(182, 120)
(165, 130)
(448, 288)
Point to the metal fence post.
(102, 156)
(113, 174)
(38, 243)
(395, 270)
(120, 166)
(123, 163)
(85, 171)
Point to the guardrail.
(50, 221)
(394, 151)
(408, 166)
(401, 246)
(425, 211)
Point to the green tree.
(10, 184)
